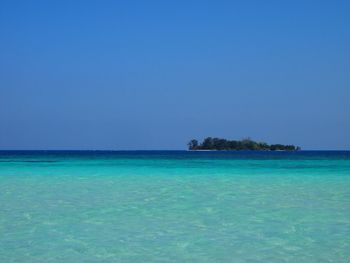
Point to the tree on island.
(193, 144)
(210, 143)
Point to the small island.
(219, 144)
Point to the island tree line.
(210, 143)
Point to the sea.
(174, 206)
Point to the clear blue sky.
(154, 74)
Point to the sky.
(148, 75)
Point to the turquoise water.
(174, 207)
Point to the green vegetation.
(210, 143)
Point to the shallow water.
(174, 206)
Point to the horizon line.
(169, 150)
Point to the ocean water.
(174, 206)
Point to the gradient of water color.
(174, 206)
